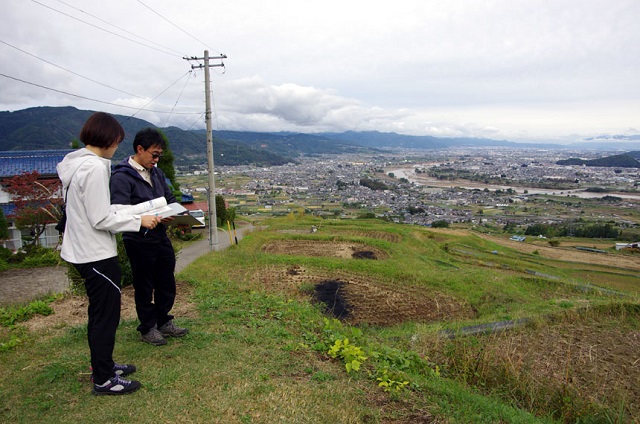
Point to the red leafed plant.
(37, 202)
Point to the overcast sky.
(556, 70)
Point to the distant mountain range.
(615, 137)
(43, 128)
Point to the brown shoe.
(169, 329)
(154, 337)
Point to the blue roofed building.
(17, 162)
(14, 163)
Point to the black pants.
(102, 281)
(152, 266)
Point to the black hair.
(148, 137)
(101, 130)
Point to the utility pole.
(213, 216)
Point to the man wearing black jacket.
(135, 180)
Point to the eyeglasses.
(156, 155)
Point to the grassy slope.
(259, 356)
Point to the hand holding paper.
(170, 214)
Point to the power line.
(120, 28)
(82, 76)
(93, 100)
(117, 35)
(177, 100)
(202, 66)
(163, 91)
(195, 121)
(176, 26)
(102, 29)
(70, 71)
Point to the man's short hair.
(148, 137)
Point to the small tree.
(221, 209)
(4, 226)
(35, 207)
(166, 164)
(440, 224)
(231, 214)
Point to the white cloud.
(519, 69)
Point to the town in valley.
(491, 188)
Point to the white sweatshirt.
(91, 221)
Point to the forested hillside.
(44, 128)
(626, 160)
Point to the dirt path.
(24, 285)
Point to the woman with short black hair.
(89, 244)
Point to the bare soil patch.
(71, 310)
(356, 299)
(345, 250)
(381, 235)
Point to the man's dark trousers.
(153, 263)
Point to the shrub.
(125, 265)
(5, 254)
(37, 262)
(183, 233)
(41, 257)
(75, 281)
(31, 257)
(17, 257)
(440, 224)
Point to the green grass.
(259, 354)
(13, 314)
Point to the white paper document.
(159, 207)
